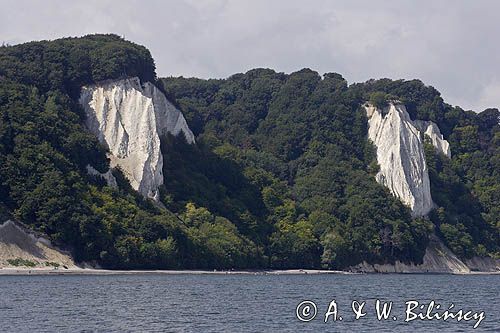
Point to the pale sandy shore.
(91, 271)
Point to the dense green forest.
(301, 138)
(282, 174)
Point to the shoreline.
(18, 271)
(93, 271)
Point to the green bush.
(19, 262)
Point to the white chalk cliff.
(400, 154)
(129, 118)
(431, 130)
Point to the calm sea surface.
(237, 303)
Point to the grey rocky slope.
(19, 246)
(437, 259)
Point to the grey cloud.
(451, 45)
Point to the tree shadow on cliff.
(193, 173)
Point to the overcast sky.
(452, 45)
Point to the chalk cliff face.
(431, 130)
(400, 154)
(129, 119)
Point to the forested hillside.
(44, 150)
(281, 176)
(301, 139)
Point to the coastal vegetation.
(281, 176)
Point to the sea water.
(248, 303)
